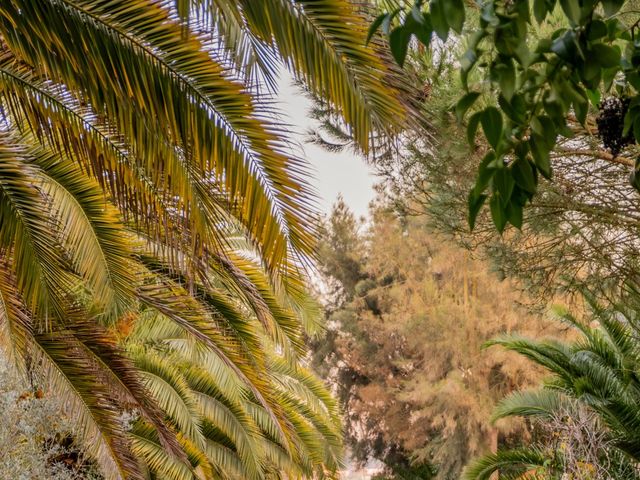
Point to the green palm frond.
(91, 232)
(164, 382)
(41, 277)
(533, 404)
(552, 355)
(15, 320)
(237, 427)
(234, 417)
(323, 44)
(513, 464)
(154, 226)
(187, 101)
(69, 373)
(145, 446)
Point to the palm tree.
(147, 192)
(598, 374)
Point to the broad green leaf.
(375, 25)
(540, 153)
(606, 56)
(486, 170)
(439, 19)
(503, 182)
(475, 203)
(472, 128)
(611, 7)
(540, 10)
(465, 103)
(507, 78)
(571, 9)
(597, 30)
(492, 125)
(454, 12)
(545, 129)
(513, 213)
(386, 21)
(523, 174)
(399, 44)
(423, 30)
(565, 47)
(497, 212)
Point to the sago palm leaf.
(597, 372)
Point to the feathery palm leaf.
(596, 372)
(153, 223)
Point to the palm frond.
(512, 464)
(185, 99)
(323, 43)
(532, 403)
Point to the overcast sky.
(335, 173)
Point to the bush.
(36, 441)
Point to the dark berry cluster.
(611, 124)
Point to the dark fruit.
(610, 123)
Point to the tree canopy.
(529, 72)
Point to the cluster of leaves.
(531, 83)
(579, 230)
(595, 374)
(407, 317)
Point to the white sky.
(343, 173)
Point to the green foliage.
(143, 172)
(537, 66)
(591, 375)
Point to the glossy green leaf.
(498, 215)
(540, 152)
(399, 44)
(503, 183)
(465, 103)
(571, 9)
(375, 25)
(439, 19)
(472, 128)
(523, 174)
(611, 7)
(454, 11)
(475, 203)
(492, 125)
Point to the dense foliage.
(530, 70)
(154, 224)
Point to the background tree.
(573, 234)
(579, 231)
(404, 344)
